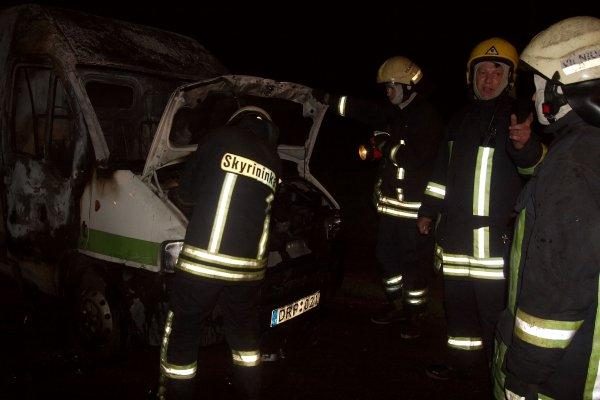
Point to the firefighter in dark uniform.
(232, 178)
(472, 191)
(407, 134)
(549, 334)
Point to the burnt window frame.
(117, 78)
(44, 133)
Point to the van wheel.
(96, 322)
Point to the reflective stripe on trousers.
(249, 358)
(170, 370)
(465, 343)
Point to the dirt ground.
(342, 356)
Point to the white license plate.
(285, 313)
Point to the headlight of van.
(169, 254)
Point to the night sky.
(340, 49)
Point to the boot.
(391, 312)
(411, 329)
(441, 372)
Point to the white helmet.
(249, 110)
(567, 55)
(262, 124)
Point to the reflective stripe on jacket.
(550, 332)
(233, 177)
(473, 189)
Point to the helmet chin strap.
(407, 101)
(550, 102)
(404, 94)
(553, 100)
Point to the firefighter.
(548, 334)
(407, 132)
(471, 194)
(231, 178)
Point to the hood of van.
(197, 108)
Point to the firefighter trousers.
(191, 301)
(404, 258)
(473, 308)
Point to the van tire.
(96, 325)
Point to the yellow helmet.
(399, 70)
(496, 50)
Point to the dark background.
(338, 47)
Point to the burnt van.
(97, 119)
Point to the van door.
(42, 216)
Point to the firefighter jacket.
(231, 180)
(409, 140)
(473, 189)
(550, 332)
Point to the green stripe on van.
(123, 247)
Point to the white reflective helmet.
(249, 110)
(570, 48)
(263, 125)
(567, 55)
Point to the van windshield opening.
(128, 108)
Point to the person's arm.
(369, 112)
(560, 277)
(435, 192)
(421, 147)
